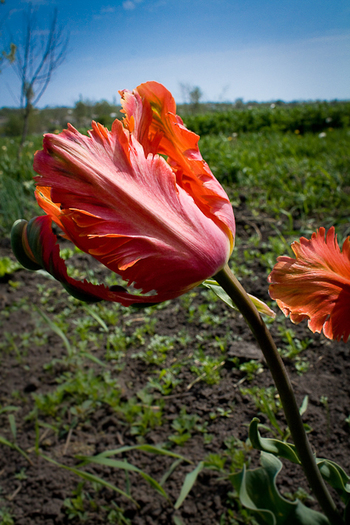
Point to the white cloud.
(128, 5)
(107, 9)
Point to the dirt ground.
(37, 498)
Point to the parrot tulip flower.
(315, 285)
(163, 225)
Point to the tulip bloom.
(315, 285)
(163, 225)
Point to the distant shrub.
(13, 126)
(303, 118)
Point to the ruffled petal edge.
(316, 284)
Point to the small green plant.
(184, 425)
(143, 413)
(6, 516)
(21, 475)
(215, 462)
(251, 368)
(75, 507)
(165, 382)
(267, 402)
(220, 412)
(237, 452)
(206, 367)
(8, 266)
(116, 516)
(155, 352)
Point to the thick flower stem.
(234, 289)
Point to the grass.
(292, 182)
(295, 177)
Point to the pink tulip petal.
(117, 199)
(315, 285)
(41, 246)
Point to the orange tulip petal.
(315, 285)
(168, 135)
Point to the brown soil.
(38, 497)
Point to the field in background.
(77, 380)
(257, 151)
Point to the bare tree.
(191, 95)
(38, 55)
(10, 56)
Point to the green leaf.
(97, 318)
(259, 305)
(94, 359)
(330, 471)
(89, 477)
(168, 473)
(177, 520)
(272, 446)
(13, 427)
(57, 331)
(124, 465)
(336, 477)
(151, 449)
(9, 408)
(4, 441)
(190, 480)
(304, 404)
(258, 492)
(7, 266)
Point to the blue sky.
(250, 49)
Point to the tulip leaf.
(259, 305)
(330, 471)
(272, 446)
(336, 477)
(258, 492)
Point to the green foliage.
(6, 517)
(16, 184)
(293, 346)
(165, 382)
(280, 174)
(142, 412)
(310, 117)
(258, 492)
(251, 368)
(8, 266)
(74, 507)
(80, 392)
(296, 179)
(156, 350)
(184, 425)
(207, 367)
(330, 471)
(268, 403)
(190, 480)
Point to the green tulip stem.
(234, 289)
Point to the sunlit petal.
(115, 197)
(316, 284)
